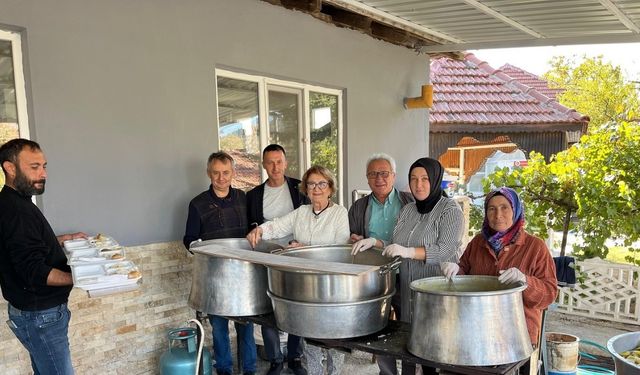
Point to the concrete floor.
(599, 331)
(355, 363)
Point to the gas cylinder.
(180, 359)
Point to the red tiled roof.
(247, 170)
(531, 80)
(472, 92)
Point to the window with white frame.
(255, 111)
(14, 121)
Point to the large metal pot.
(322, 287)
(331, 320)
(230, 287)
(624, 343)
(472, 321)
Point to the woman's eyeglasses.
(373, 175)
(321, 185)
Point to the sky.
(535, 59)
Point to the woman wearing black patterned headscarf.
(429, 231)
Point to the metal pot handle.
(389, 267)
(278, 251)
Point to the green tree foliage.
(592, 188)
(594, 88)
(607, 192)
(324, 141)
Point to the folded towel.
(565, 271)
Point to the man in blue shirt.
(372, 219)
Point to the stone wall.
(122, 333)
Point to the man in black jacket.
(220, 212)
(276, 197)
(34, 275)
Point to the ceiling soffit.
(446, 27)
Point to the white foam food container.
(103, 242)
(99, 276)
(81, 252)
(77, 243)
(96, 256)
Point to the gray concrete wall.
(123, 99)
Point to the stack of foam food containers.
(99, 265)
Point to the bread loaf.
(134, 274)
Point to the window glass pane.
(324, 131)
(283, 127)
(8, 108)
(239, 128)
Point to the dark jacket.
(256, 195)
(29, 250)
(360, 212)
(211, 217)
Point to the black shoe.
(249, 373)
(296, 367)
(275, 369)
(222, 372)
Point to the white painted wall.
(123, 99)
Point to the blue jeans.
(44, 334)
(222, 346)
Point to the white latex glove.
(511, 276)
(363, 245)
(449, 270)
(395, 250)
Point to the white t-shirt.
(276, 201)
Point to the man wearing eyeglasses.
(372, 219)
(221, 212)
(276, 197)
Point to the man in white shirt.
(276, 197)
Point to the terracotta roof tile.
(472, 92)
(531, 80)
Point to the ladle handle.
(391, 266)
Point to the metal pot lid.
(465, 285)
(239, 243)
(339, 254)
